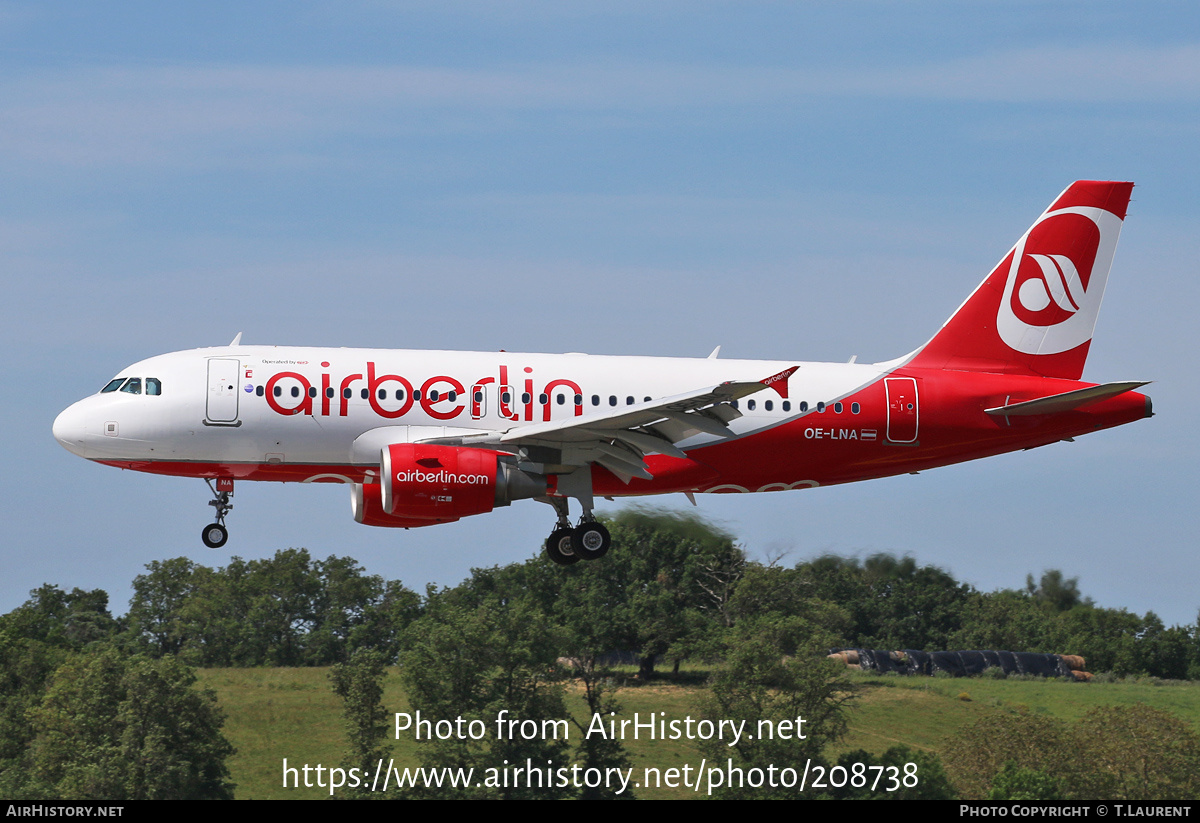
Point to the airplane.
(428, 437)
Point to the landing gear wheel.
(214, 535)
(560, 547)
(590, 540)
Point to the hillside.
(292, 713)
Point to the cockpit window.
(133, 385)
(113, 385)
(153, 385)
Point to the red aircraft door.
(903, 409)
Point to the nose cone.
(70, 429)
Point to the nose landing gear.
(215, 534)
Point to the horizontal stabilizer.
(1066, 401)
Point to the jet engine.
(425, 484)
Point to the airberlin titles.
(442, 397)
(435, 393)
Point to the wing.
(619, 439)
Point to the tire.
(214, 535)
(590, 541)
(560, 548)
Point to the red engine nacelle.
(367, 504)
(424, 484)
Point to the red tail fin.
(1035, 313)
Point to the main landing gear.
(215, 534)
(567, 545)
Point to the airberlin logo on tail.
(1056, 279)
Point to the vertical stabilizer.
(1035, 313)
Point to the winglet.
(778, 382)
(237, 341)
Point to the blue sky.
(788, 180)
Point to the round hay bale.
(1074, 662)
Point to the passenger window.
(278, 391)
(434, 394)
(787, 405)
(347, 393)
(595, 400)
(837, 408)
(134, 386)
(579, 400)
(113, 385)
(855, 408)
(153, 386)
(478, 396)
(452, 396)
(628, 401)
(364, 394)
(544, 399)
(259, 391)
(329, 391)
(803, 405)
(733, 403)
(399, 394)
(612, 400)
(768, 405)
(526, 397)
(295, 391)
(750, 405)
(312, 391)
(646, 399)
(821, 407)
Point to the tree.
(666, 564)
(285, 610)
(111, 728)
(762, 684)
(67, 620)
(1020, 783)
(1137, 753)
(359, 683)
(25, 668)
(483, 662)
(1055, 592)
(980, 751)
(893, 603)
(155, 619)
(1131, 753)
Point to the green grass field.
(292, 713)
